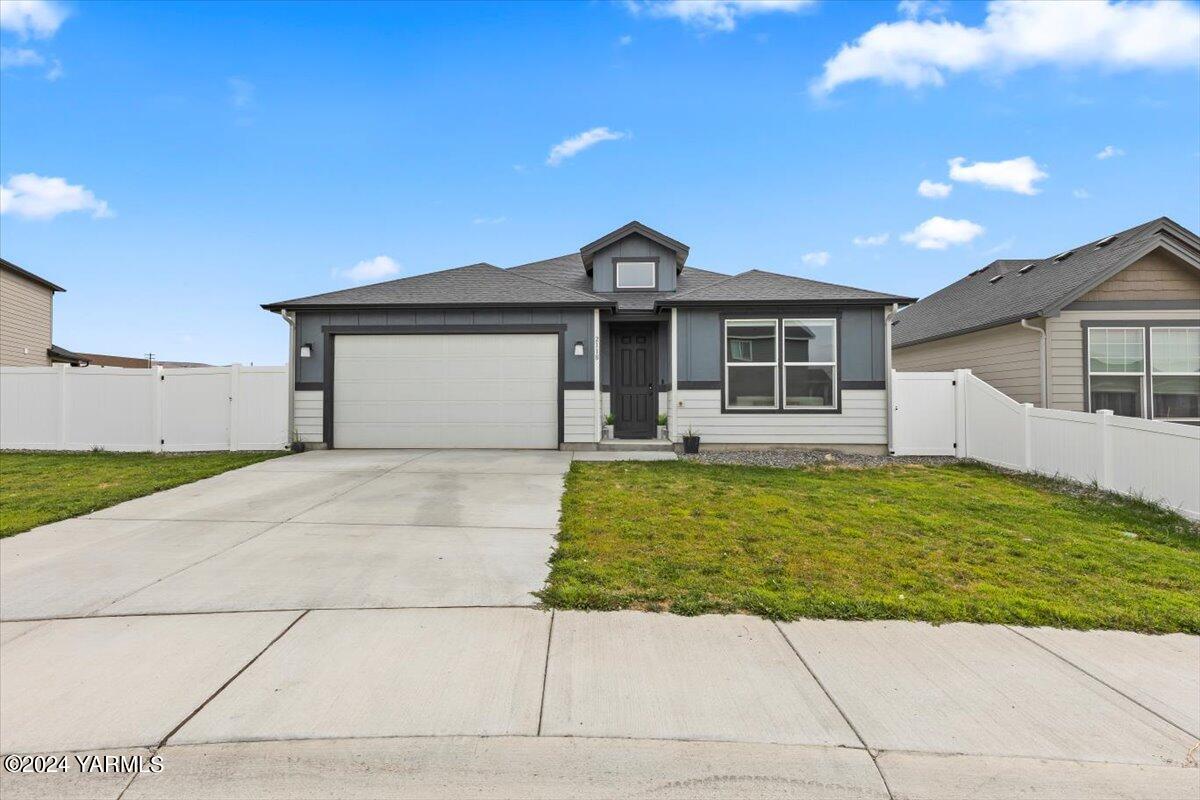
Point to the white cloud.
(55, 72)
(933, 189)
(488, 220)
(938, 233)
(715, 15)
(13, 57)
(915, 9)
(241, 93)
(580, 142)
(37, 18)
(1014, 175)
(1109, 152)
(625, 41)
(372, 269)
(33, 196)
(1081, 194)
(874, 240)
(1017, 34)
(817, 259)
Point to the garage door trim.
(331, 333)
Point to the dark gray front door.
(634, 398)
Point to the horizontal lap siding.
(309, 420)
(25, 321)
(579, 416)
(1065, 342)
(1006, 357)
(862, 420)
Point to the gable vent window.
(1105, 242)
(635, 274)
(1025, 269)
(995, 279)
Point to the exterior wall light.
(306, 350)
(579, 348)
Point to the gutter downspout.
(1041, 359)
(887, 368)
(291, 373)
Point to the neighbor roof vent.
(1063, 256)
(1025, 269)
(993, 280)
(1106, 242)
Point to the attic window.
(635, 274)
(1025, 269)
(995, 279)
(1063, 256)
(1105, 242)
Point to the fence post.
(235, 380)
(1104, 471)
(1027, 432)
(61, 433)
(156, 408)
(961, 376)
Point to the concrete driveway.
(360, 624)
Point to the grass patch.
(961, 542)
(37, 488)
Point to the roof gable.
(24, 273)
(1013, 289)
(588, 251)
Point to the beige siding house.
(1114, 324)
(26, 317)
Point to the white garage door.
(445, 390)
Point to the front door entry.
(635, 375)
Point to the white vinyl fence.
(1159, 461)
(154, 409)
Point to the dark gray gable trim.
(331, 333)
(1146, 374)
(588, 251)
(1160, 240)
(1133, 305)
(780, 315)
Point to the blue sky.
(213, 157)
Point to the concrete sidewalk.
(262, 654)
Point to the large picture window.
(1175, 373)
(635, 274)
(751, 364)
(1116, 366)
(809, 363)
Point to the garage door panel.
(460, 390)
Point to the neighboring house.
(536, 355)
(26, 317)
(1111, 324)
(104, 360)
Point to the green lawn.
(960, 542)
(36, 488)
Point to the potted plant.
(296, 445)
(662, 426)
(609, 420)
(691, 442)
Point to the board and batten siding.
(1007, 357)
(861, 421)
(26, 321)
(1064, 339)
(308, 421)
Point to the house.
(1111, 324)
(538, 354)
(26, 317)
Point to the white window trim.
(1144, 389)
(1152, 372)
(653, 277)
(774, 364)
(783, 344)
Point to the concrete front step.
(626, 445)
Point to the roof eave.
(964, 331)
(295, 306)
(856, 301)
(38, 279)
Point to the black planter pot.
(297, 447)
(691, 445)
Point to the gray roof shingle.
(474, 285)
(980, 301)
(756, 286)
(568, 271)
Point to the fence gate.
(924, 414)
